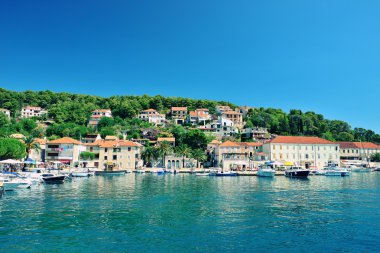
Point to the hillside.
(71, 113)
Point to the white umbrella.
(10, 161)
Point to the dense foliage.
(69, 115)
(297, 122)
(11, 149)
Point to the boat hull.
(110, 173)
(54, 180)
(80, 174)
(297, 174)
(337, 173)
(266, 173)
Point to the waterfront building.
(38, 155)
(32, 111)
(301, 150)
(235, 155)
(152, 116)
(176, 162)
(6, 112)
(65, 150)
(357, 150)
(115, 154)
(96, 115)
(179, 114)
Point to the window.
(117, 150)
(106, 150)
(344, 151)
(129, 148)
(105, 157)
(114, 157)
(306, 156)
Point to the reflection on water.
(185, 213)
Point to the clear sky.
(319, 55)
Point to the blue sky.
(318, 55)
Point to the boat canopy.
(288, 163)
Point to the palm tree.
(164, 148)
(31, 144)
(199, 155)
(184, 151)
(149, 154)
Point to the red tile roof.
(65, 140)
(300, 140)
(357, 145)
(179, 108)
(229, 144)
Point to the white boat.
(202, 174)
(320, 172)
(81, 173)
(266, 172)
(11, 184)
(49, 178)
(337, 172)
(355, 168)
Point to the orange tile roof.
(357, 145)
(229, 144)
(193, 114)
(65, 140)
(40, 141)
(150, 110)
(121, 143)
(179, 108)
(300, 140)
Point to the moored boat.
(336, 171)
(224, 174)
(266, 172)
(110, 172)
(49, 178)
(297, 172)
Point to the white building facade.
(303, 151)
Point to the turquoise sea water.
(185, 213)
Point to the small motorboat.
(376, 169)
(81, 173)
(49, 178)
(202, 174)
(10, 184)
(266, 172)
(297, 172)
(224, 174)
(337, 172)
(110, 173)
